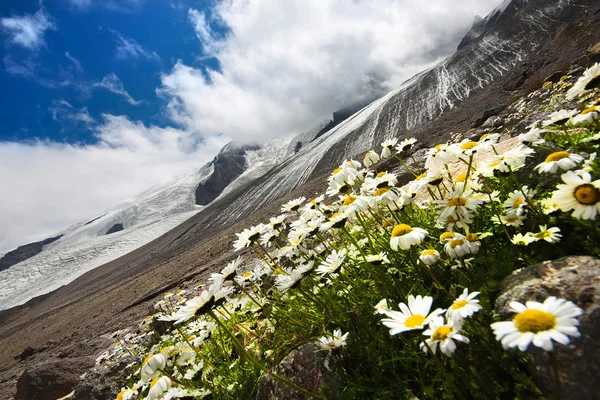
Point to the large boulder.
(52, 380)
(575, 278)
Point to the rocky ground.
(68, 327)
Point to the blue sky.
(135, 42)
(103, 99)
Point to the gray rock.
(52, 380)
(493, 122)
(575, 278)
(305, 367)
(103, 382)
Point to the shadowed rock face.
(24, 252)
(228, 165)
(115, 228)
(482, 25)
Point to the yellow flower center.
(428, 252)
(335, 215)
(335, 171)
(544, 234)
(459, 304)
(587, 194)
(154, 381)
(557, 156)
(518, 202)
(121, 394)
(461, 178)
(534, 321)
(349, 199)
(457, 202)
(414, 321)
(247, 274)
(456, 242)
(438, 147)
(446, 236)
(483, 137)
(547, 85)
(381, 191)
(400, 230)
(147, 359)
(368, 154)
(382, 173)
(494, 164)
(441, 333)
(588, 110)
(421, 176)
(472, 237)
(468, 145)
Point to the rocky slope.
(540, 40)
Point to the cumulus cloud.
(129, 49)
(112, 83)
(52, 185)
(27, 30)
(285, 65)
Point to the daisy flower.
(517, 200)
(414, 316)
(559, 159)
(158, 387)
(540, 324)
(464, 306)
(333, 262)
(578, 193)
(550, 235)
(458, 247)
(381, 307)
(333, 341)
(429, 256)
(248, 237)
(371, 158)
(195, 306)
(532, 137)
(589, 80)
(404, 236)
(524, 240)
(293, 205)
(405, 145)
(442, 335)
(559, 117)
(378, 259)
(586, 116)
(152, 366)
(386, 147)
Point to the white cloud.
(70, 117)
(27, 30)
(52, 185)
(128, 48)
(76, 63)
(112, 83)
(285, 65)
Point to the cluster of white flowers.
(368, 225)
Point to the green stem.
(257, 364)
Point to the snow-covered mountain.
(126, 227)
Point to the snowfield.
(85, 246)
